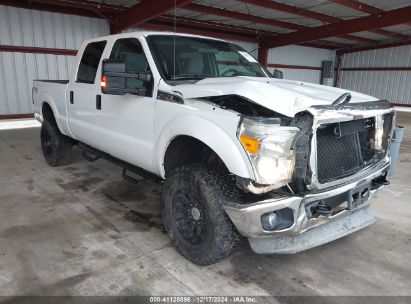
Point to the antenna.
(174, 42)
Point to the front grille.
(343, 149)
(337, 156)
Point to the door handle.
(98, 102)
(71, 97)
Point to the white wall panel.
(300, 55)
(24, 27)
(392, 85)
(300, 75)
(31, 28)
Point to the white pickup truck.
(288, 165)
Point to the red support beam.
(156, 26)
(394, 17)
(375, 47)
(263, 54)
(221, 29)
(370, 69)
(359, 6)
(401, 105)
(50, 8)
(85, 4)
(16, 116)
(216, 26)
(338, 61)
(146, 10)
(365, 8)
(37, 50)
(296, 67)
(205, 9)
(279, 6)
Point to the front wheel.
(56, 147)
(194, 216)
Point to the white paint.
(300, 55)
(148, 125)
(391, 85)
(32, 28)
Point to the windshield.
(199, 58)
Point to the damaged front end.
(314, 174)
(322, 147)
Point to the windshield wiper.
(191, 76)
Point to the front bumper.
(305, 232)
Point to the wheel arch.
(205, 135)
(47, 112)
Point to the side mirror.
(114, 79)
(278, 74)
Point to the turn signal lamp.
(249, 143)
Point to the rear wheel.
(194, 216)
(56, 147)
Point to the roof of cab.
(149, 33)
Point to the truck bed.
(52, 92)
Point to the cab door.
(81, 94)
(126, 121)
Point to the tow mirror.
(278, 74)
(115, 80)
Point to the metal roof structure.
(334, 24)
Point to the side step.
(129, 178)
(92, 155)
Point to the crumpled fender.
(224, 145)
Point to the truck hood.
(282, 96)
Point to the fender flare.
(60, 120)
(230, 151)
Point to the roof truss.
(156, 16)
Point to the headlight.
(268, 146)
(379, 132)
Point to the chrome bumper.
(344, 224)
(247, 217)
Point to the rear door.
(126, 121)
(81, 94)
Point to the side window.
(89, 62)
(131, 51)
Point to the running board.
(87, 150)
(90, 156)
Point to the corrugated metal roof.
(387, 5)
(400, 28)
(246, 8)
(337, 10)
(324, 7)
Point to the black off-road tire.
(194, 217)
(56, 146)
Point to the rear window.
(89, 62)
